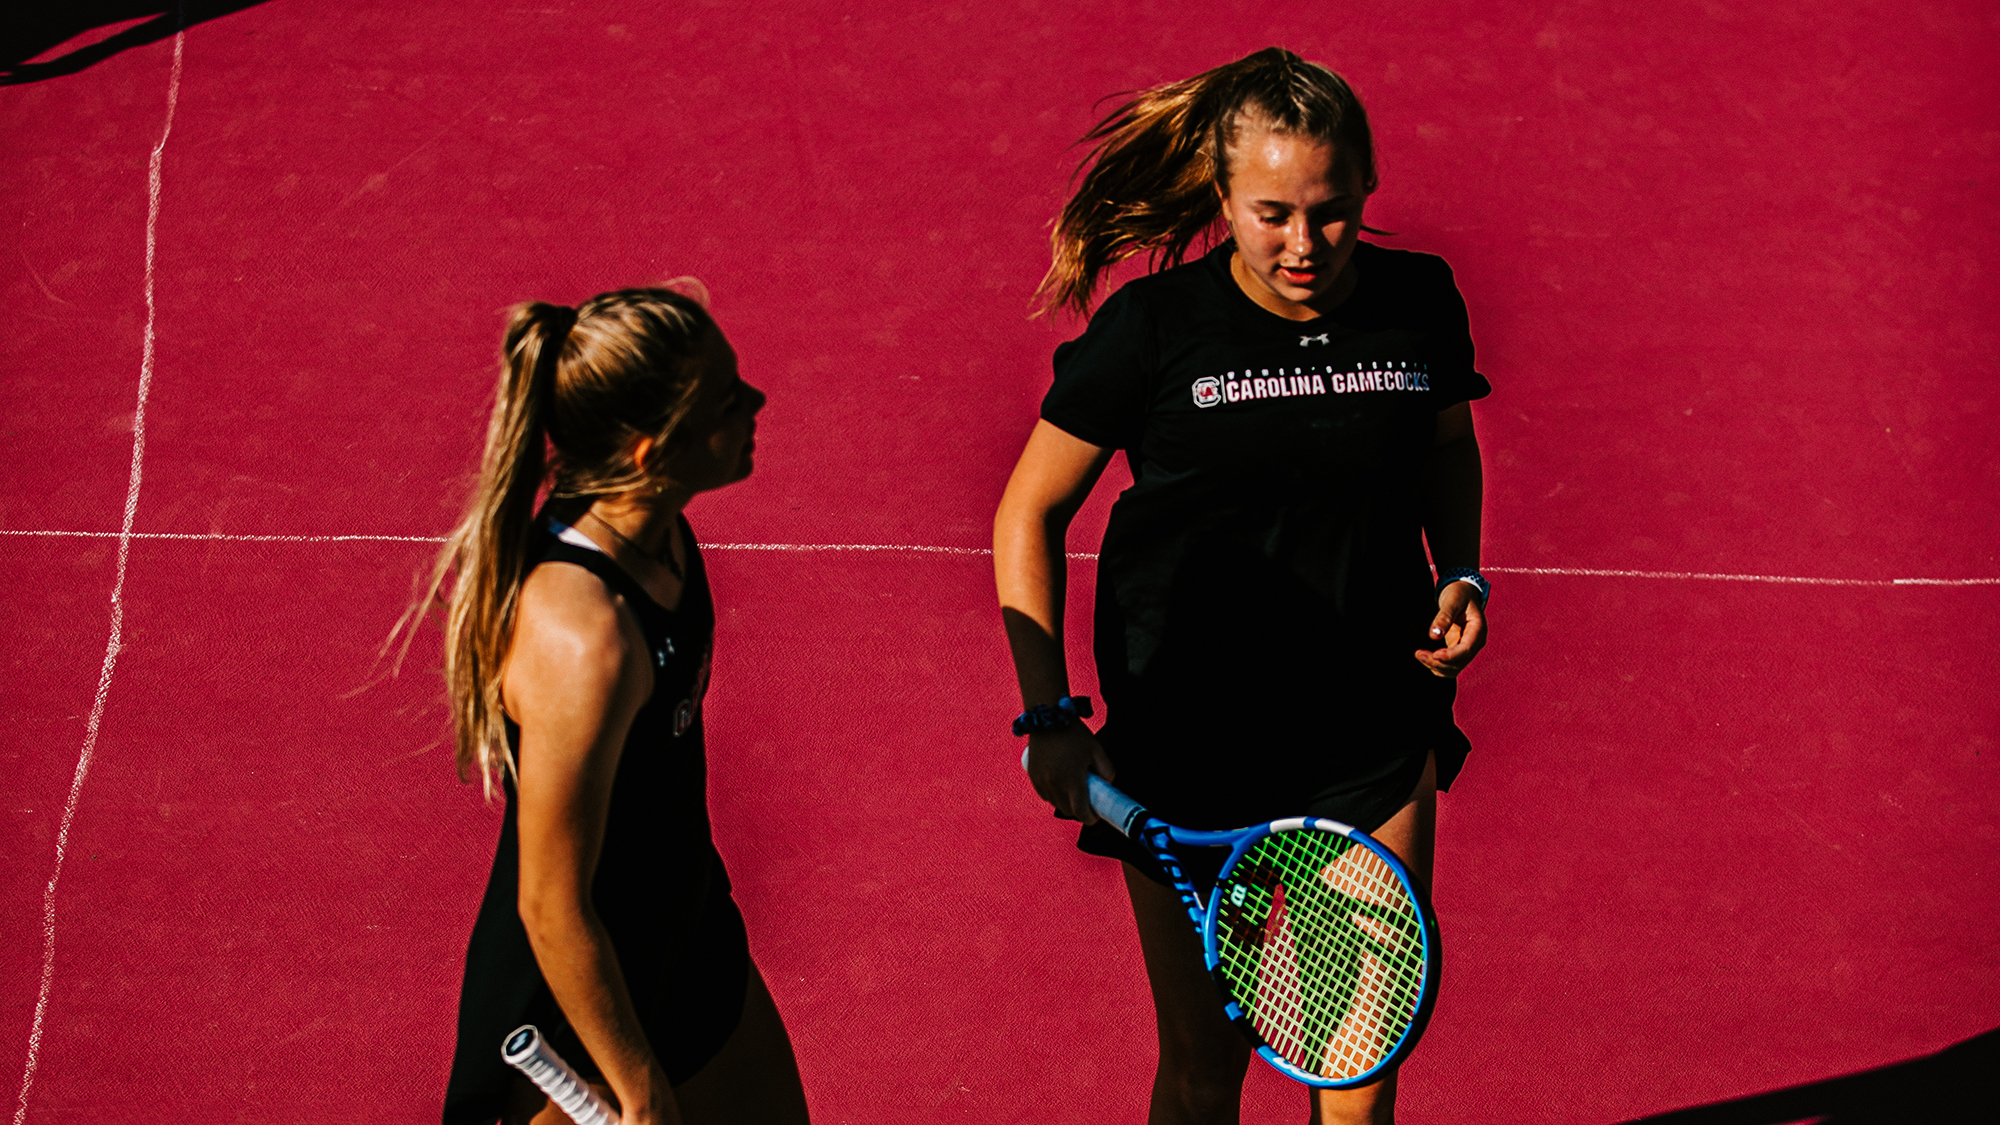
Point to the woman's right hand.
(664, 1113)
(1050, 483)
(1059, 764)
(654, 1105)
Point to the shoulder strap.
(697, 573)
(566, 544)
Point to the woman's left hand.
(1460, 626)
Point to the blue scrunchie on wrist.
(1056, 716)
(1467, 575)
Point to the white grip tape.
(526, 1051)
(1123, 812)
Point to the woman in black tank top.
(578, 651)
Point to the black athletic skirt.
(1190, 783)
(689, 996)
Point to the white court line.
(227, 537)
(115, 641)
(926, 549)
(1780, 579)
(913, 548)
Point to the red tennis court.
(1729, 821)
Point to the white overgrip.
(529, 1053)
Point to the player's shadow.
(1959, 1083)
(36, 28)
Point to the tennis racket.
(1325, 952)
(528, 1052)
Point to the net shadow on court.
(1959, 1083)
(43, 28)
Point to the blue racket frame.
(1131, 818)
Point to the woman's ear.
(641, 448)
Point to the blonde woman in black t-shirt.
(1294, 405)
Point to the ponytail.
(584, 383)
(1155, 163)
(485, 556)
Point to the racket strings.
(1323, 950)
(1342, 1030)
(1361, 1025)
(1359, 1011)
(1356, 1031)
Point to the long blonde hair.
(576, 387)
(1155, 163)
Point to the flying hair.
(1148, 184)
(576, 388)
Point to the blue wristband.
(1450, 574)
(1046, 717)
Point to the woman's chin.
(1293, 291)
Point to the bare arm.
(1453, 492)
(576, 675)
(1055, 474)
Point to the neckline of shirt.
(1217, 261)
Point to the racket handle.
(1121, 811)
(528, 1052)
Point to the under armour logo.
(1322, 338)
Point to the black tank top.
(660, 887)
(657, 831)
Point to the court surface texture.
(1730, 819)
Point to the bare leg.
(1412, 835)
(754, 1081)
(1202, 1057)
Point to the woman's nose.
(1299, 238)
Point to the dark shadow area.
(1959, 1083)
(33, 28)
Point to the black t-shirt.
(1263, 584)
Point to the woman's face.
(1294, 210)
(721, 432)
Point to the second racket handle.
(529, 1053)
